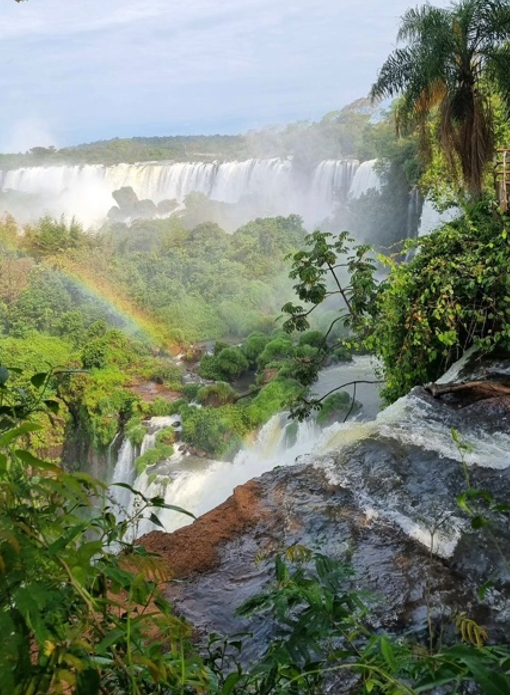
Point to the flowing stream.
(413, 432)
(200, 484)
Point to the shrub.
(159, 453)
(217, 431)
(274, 397)
(161, 407)
(232, 362)
(253, 346)
(276, 350)
(209, 368)
(190, 391)
(313, 338)
(135, 431)
(166, 436)
(335, 407)
(454, 293)
(219, 393)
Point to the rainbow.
(135, 322)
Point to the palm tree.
(455, 59)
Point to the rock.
(125, 198)
(385, 498)
(166, 207)
(146, 208)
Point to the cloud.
(95, 69)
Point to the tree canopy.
(455, 60)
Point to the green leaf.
(13, 434)
(4, 374)
(155, 520)
(87, 682)
(31, 460)
(230, 683)
(38, 379)
(387, 653)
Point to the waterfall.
(200, 484)
(365, 179)
(265, 187)
(124, 472)
(273, 186)
(431, 218)
(125, 469)
(414, 208)
(331, 181)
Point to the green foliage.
(217, 431)
(314, 338)
(319, 271)
(253, 346)
(49, 237)
(341, 353)
(273, 398)
(336, 406)
(454, 293)
(161, 407)
(232, 362)
(155, 455)
(210, 369)
(166, 436)
(320, 643)
(162, 371)
(113, 348)
(191, 390)
(276, 350)
(135, 431)
(455, 58)
(226, 364)
(99, 402)
(219, 393)
(80, 619)
(74, 615)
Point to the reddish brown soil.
(195, 548)
(150, 390)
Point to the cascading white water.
(365, 179)
(124, 472)
(200, 484)
(331, 179)
(125, 469)
(431, 218)
(85, 191)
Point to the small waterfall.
(414, 209)
(200, 484)
(365, 179)
(124, 472)
(431, 218)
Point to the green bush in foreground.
(454, 293)
(80, 619)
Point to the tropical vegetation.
(456, 61)
(81, 608)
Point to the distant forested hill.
(339, 134)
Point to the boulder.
(397, 498)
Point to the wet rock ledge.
(385, 498)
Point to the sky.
(85, 70)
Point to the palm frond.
(421, 21)
(498, 72)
